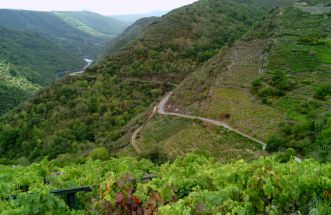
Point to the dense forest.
(27, 63)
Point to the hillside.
(130, 34)
(37, 45)
(132, 18)
(93, 23)
(75, 32)
(283, 97)
(103, 106)
(218, 107)
(27, 63)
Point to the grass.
(177, 136)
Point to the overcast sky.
(106, 7)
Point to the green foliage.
(39, 203)
(100, 153)
(156, 155)
(131, 33)
(8, 139)
(166, 137)
(67, 36)
(198, 36)
(192, 184)
(323, 91)
(28, 62)
(286, 156)
(93, 23)
(294, 81)
(312, 39)
(275, 144)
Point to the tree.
(275, 143)
(8, 138)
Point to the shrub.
(100, 153)
(156, 156)
(8, 138)
(323, 91)
(275, 143)
(286, 156)
(312, 39)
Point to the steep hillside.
(93, 23)
(73, 36)
(28, 62)
(104, 104)
(275, 85)
(129, 35)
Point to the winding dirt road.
(160, 110)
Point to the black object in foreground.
(71, 194)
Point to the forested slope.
(93, 23)
(35, 46)
(94, 108)
(130, 34)
(27, 63)
(74, 35)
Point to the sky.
(105, 7)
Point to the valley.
(39, 47)
(216, 107)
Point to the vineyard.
(226, 96)
(239, 109)
(191, 184)
(177, 136)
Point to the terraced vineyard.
(241, 110)
(227, 96)
(177, 136)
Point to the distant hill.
(81, 33)
(28, 62)
(93, 23)
(131, 18)
(36, 45)
(130, 34)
